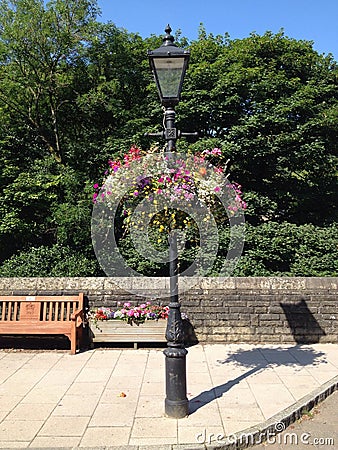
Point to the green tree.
(74, 93)
(44, 204)
(272, 102)
(39, 45)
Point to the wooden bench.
(43, 315)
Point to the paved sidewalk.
(112, 397)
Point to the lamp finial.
(168, 38)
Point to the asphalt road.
(316, 430)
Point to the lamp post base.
(176, 402)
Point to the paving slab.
(114, 398)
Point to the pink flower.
(216, 151)
(217, 189)
(115, 165)
(126, 305)
(232, 208)
(188, 195)
(96, 186)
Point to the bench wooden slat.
(15, 312)
(21, 327)
(63, 311)
(44, 311)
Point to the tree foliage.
(271, 102)
(75, 92)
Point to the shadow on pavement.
(258, 359)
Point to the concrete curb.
(276, 424)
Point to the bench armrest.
(77, 316)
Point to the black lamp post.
(169, 64)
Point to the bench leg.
(79, 339)
(73, 340)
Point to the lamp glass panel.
(169, 74)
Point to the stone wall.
(253, 310)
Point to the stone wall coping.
(153, 284)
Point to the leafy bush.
(285, 249)
(55, 261)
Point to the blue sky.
(314, 20)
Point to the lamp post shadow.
(206, 397)
(303, 325)
(256, 360)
